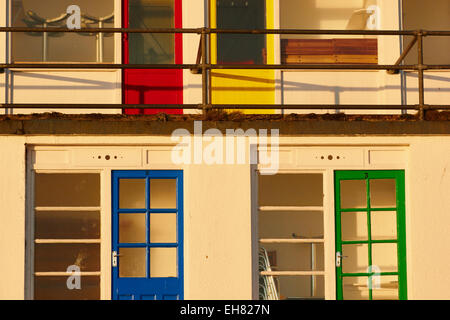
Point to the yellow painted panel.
(244, 86)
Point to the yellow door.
(240, 86)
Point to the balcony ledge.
(436, 123)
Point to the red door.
(152, 86)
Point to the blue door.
(147, 235)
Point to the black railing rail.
(204, 67)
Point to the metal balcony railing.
(204, 67)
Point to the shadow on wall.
(442, 86)
(84, 83)
(49, 87)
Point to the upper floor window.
(151, 47)
(241, 48)
(421, 15)
(62, 47)
(329, 15)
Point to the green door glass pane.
(353, 194)
(385, 288)
(384, 256)
(383, 225)
(355, 288)
(355, 258)
(382, 193)
(354, 226)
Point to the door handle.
(114, 258)
(339, 257)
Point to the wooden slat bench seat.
(297, 51)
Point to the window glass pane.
(132, 194)
(291, 190)
(163, 227)
(241, 48)
(384, 256)
(67, 189)
(163, 194)
(151, 47)
(286, 225)
(418, 14)
(291, 287)
(58, 257)
(62, 47)
(355, 258)
(326, 15)
(354, 226)
(67, 225)
(353, 194)
(385, 288)
(132, 262)
(382, 193)
(355, 288)
(132, 228)
(55, 288)
(294, 257)
(384, 225)
(163, 262)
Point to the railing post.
(204, 72)
(421, 68)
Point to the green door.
(370, 235)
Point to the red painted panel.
(149, 86)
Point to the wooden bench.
(297, 51)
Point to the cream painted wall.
(428, 218)
(341, 87)
(218, 218)
(437, 87)
(218, 239)
(12, 217)
(65, 87)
